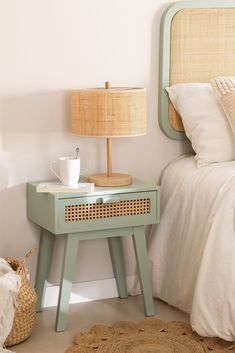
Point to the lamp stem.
(109, 145)
(109, 157)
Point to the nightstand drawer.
(107, 211)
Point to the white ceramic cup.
(68, 170)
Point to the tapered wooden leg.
(116, 253)
(142, 264)
(70, 254)
(44, 260)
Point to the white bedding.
(192, 250)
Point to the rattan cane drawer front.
(126, 209)
(92, 211)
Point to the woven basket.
(25, 313)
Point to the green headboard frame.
(165, 59)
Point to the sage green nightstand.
(107, 212)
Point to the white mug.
(69, 170)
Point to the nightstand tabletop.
(136, 186)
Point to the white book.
(59, 187)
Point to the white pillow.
(204, 122)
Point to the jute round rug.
(149, 336)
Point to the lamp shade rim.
(111, 89)
(107, 136)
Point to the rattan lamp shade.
(112, 112)
(108, 112)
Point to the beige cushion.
(225, 90)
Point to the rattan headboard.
(197, 43)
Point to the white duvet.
(192, 250)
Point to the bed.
(191, 251)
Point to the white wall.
(47, 48)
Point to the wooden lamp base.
(116, 179)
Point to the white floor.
(82, 316)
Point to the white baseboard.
(89, 291)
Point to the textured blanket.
(225, 90)
(9, 287)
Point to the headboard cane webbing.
(197, 44)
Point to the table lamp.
(108, 112)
